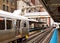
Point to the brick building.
(11, 5)
(8, 5)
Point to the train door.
(17, 27)
(24, 28)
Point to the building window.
(3, 0)
(33, 1)
(12, 10)
(12, 2)
(7, 1)
(6, 8)
(3, 7)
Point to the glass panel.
(6, 8)
(18, 23)
(12, 10)
(9, 24)
(7, 1)
(12, 2)
(24, 24)
(2, 24)
(3, 7)
(3, 0)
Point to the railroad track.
(39, 37)
(34, 32)
(48, 37)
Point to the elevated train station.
(29, 21)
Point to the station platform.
(58, 36)
(39, 36)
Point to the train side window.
(24, 24)
(2, 23)
(59, 26)
(9, 24)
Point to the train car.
(12, 26)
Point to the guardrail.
(54, 38)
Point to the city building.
(26, 6)
(8, 5)
(11, 5)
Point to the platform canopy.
(37, 14)
(53, 7)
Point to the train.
(12, 25)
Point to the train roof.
(14, 15)
(5, 14)
(11, 15)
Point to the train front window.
(2, 24)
